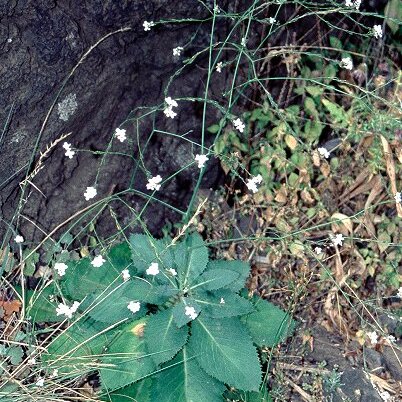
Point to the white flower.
(399, 293)
(243, 41)
(398, 197)
(172, 271)
(18, 239)
(69, 152)
(318, 250)
(169, 112)
(90, 192)
(337, 239)
(153, 269)
(40, 382)
(120, 134)
(55, 373)
(148, 25)
(217, 10)
(386, 396)
(271, 20)
(356, 4)
(134, 306)
(377, 31)
(222, 301)
(373, 337)
(201, 159)
(177, 50)
(98, 261)
(63, 309)
(252, 183)
(390, 338)
(171, 102)
(324, 153)
(60, 267)
(219, 67)
(190, 312)
(126, 275)
(239, 125)
(154, 183)
(32, 361)
(346, 63)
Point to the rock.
(392, 358)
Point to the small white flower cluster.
(40, 382)
(222, 301)
(134, 306)
(148, 25)
(61, 268)
(318, 250)
(355, 4)
(243, 41)
(171, 103)
(172, 271)
(219, 67)
(98, 261)
(252, 183)
(239, 125)
(126, 275)
(346, 63)
(63, 309)
(217, 10)
(337, 240)
(377, 31)
(154, 183)
(324, 153)
(90, 192)
(18, 239)
(373, 337)
(69, 152)
(398, 197)
(153, 269)
(120, 134)
(190, 312)
(177, 51)
(271, 20)
(399, 293)
(201, 160)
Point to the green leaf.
(137, 392)
(119, 257)
(213, 129)
(393, 11)
(191, 258)
(162, 336)
(222, 303)
(81, 278)
(335, 42)
(127, 360)
(338, 114)
(146, 250)
(314, 90)
(30, 262)
(310, 108)
(216, 279)
(183, 380)
(72, 351)
(223, 348)
(240, 267)
(179, 310)
(15, 354)
(39, 306)
(269, 325)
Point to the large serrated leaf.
(222, 303)
(162, 336)
(137, 392)
(216, 279)
(269, 325)
(39, 305)
(120, 257)
(72, 351)
(126, 360)
(82, 278)
(146, 250)
(240, 267)
(223, 348)
(191, 258)
(183, 380)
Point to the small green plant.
(159, 321)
